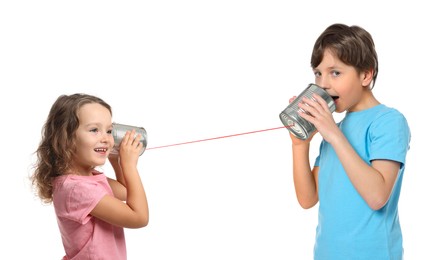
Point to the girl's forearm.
(118, 171)
(136, 196)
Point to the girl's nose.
(105, 137)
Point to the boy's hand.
(318, 113)
(298, 141)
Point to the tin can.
(297, 125)
(118, 132)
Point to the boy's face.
(342, 82)
(94, 139)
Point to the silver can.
(297, 125)
(118, 132)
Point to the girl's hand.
(318, 113)
(114, 158)
(130, 149)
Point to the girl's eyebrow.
(96, 124)
(93, 124)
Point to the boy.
(358, 173)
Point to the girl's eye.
(317, 74)
(109, 131)
(94, 130)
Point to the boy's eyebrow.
(334, 67)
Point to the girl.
(91, 209)
(358, 174)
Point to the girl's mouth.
(100, 150)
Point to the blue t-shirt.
(347, 227)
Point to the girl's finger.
(127, 137)
(137, 139)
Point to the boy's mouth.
(335, 97)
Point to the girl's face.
(94, 139)
(348, 88)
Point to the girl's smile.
(94, 136)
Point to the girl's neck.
(81, 171)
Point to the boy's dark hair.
(351, 44)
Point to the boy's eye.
(336, 73)
(94, 130)
(109, 131)
(317, 74)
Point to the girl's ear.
(367, 77)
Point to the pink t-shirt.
(84, 236)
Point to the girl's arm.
(134, 213)
(118, 186)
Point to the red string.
(214, 138)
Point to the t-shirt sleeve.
(83, 197)
(389, 138)
(318, 157)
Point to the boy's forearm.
(368, 181)
(303, 178)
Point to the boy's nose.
(323, 83)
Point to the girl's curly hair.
(57, 145)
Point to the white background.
(188, 70)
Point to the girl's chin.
(99, 162)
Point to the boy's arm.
(373, 182)
(305, 179)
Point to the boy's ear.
(367, 77)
